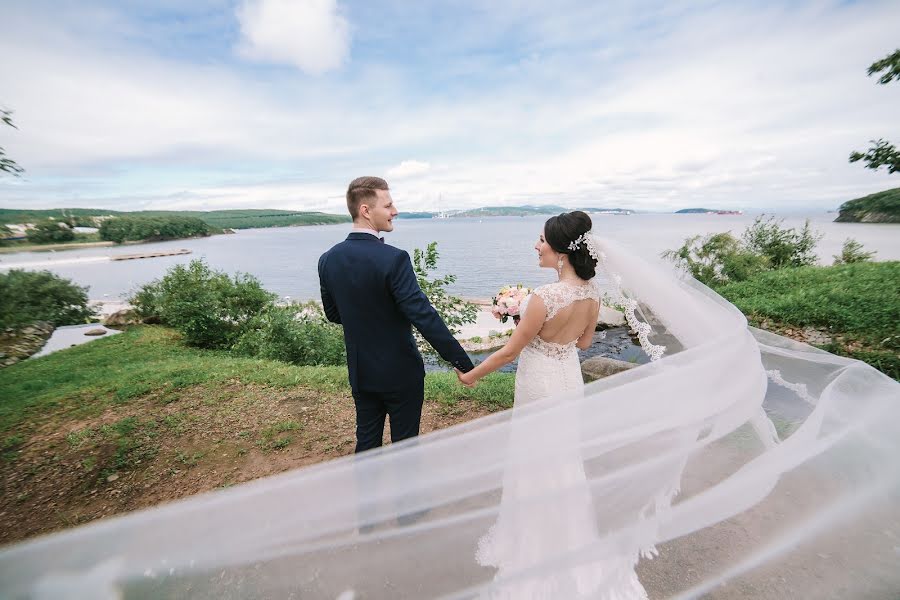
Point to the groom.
(370, 288)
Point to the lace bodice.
(557, 296)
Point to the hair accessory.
(587, 239)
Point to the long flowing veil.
(739, 464)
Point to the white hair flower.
(587, 239)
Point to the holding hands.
(466, 378)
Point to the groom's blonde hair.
(363, 190)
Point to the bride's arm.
(587, 337)
(528, 327)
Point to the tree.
(453, 310)
(882, 153)
(8, 165)
(50, 232)
(30, 296)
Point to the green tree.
(50, 232)
(29, 296)
(208, 307)
(123, 229)
(453, 310)
(852, 252)
(8, 165)
(882, 153)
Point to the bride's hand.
(465, 379)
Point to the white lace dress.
(546, 508)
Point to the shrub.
(717, 258)
(720, 258)
(297, 334)
(453, 310)
(208, 307)
(49, 232)
(29, 296)
(852, 252)
(782, 247)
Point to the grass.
(858, 305)
(83, 381)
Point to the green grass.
(82, 381)
(858, 304)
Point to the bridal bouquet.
(507, 302)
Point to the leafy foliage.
(122, 229)
(781, 247)
(208, 307)
(453, 310)
(49, 232)
(298, 334)
(8, 165)
(852, 252)
(891, 64)
(879, 207)
(29, 296)
(717, 258)
(882, 153)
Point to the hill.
(883, 207)
(222, 219)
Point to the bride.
(556, 319)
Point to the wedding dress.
(521, 538)
(748, 465)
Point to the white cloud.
(312, 35)
(754, 112)
(409, 168)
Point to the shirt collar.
(365, 230)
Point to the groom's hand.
(464, 379)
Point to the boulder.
(122, 318)
(610, 317)
(97, 331)
(600, 367)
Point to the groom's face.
(381, 212)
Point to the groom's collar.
(365, 230)
(364, 236)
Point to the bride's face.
(547, 256)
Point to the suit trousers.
(405, 410)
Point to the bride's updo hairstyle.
(562, 230)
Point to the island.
(882, 207)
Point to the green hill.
(222, 219)
(883, 207)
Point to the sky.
(647, 105)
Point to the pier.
(150, 254)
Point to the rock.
(121, 318)
(600, 367)
(610, 317)
(97, 331)
(112, 478)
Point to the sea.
(483, 254)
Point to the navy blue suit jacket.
(370, 288)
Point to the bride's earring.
(559, 265)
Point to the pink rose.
(513, 310)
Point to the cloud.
(312, 35)
(755, 112)
(409, 168)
